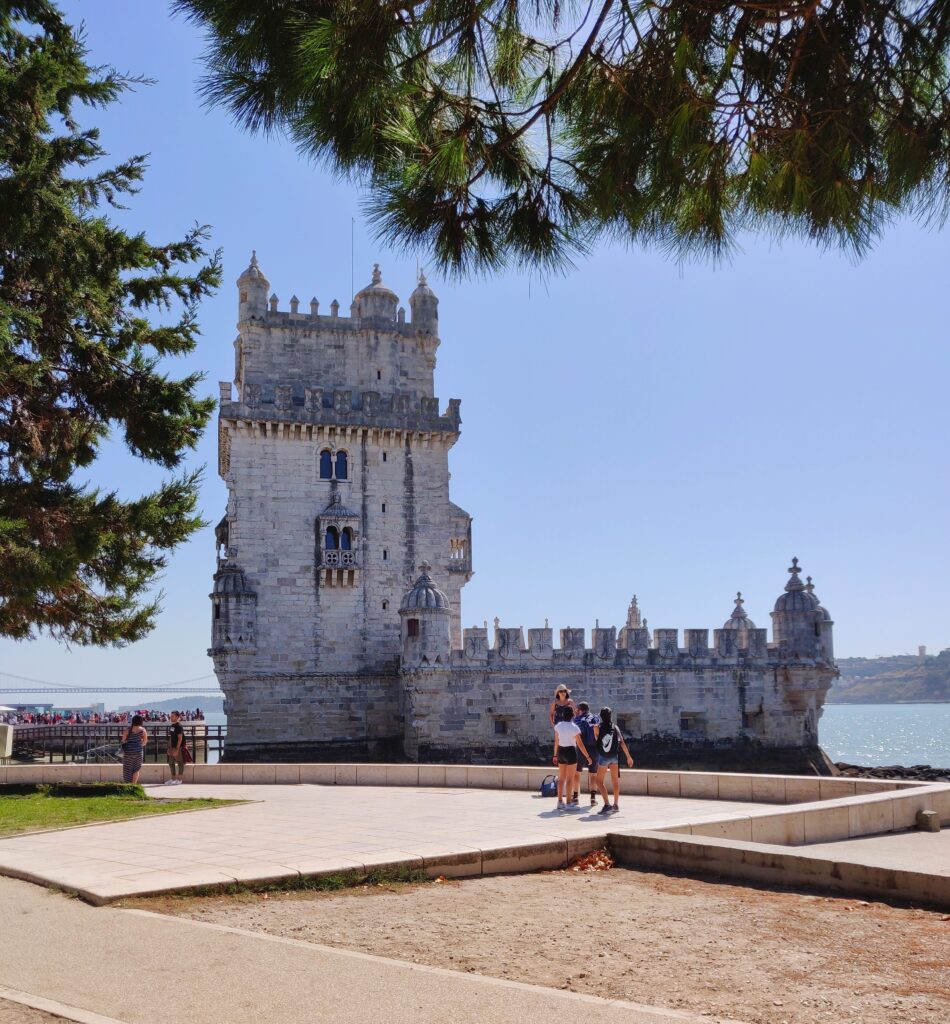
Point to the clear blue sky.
(635, 426)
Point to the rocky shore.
(913, 773)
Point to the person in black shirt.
(175, 754)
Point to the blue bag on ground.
(549, 785)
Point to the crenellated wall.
(676, 703)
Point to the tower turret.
(376, 301)
(425, 307)
(252, 291)
(234, 615)
(424, 613)
(797, 619)
(739, 620)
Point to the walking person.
(134, 740)
(175, 752)
(589, 726)
(610, 742)
(567, 742)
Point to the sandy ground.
(17, 1013)
(767, 957)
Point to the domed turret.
(376, 301)
(252, 291)
(798, 618)
(425, 623)
(739, 620)
(425, 307)
(234, 616)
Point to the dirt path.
(17, 1013)
(761, 956)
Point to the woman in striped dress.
(133, 749)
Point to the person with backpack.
(567, 743)
(589, 726)
(610, 742)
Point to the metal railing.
(52, 743)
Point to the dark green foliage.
(79, 789)
(500, 131)
(79, 354)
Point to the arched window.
(340, 466)
(346, 540)
(332, 541)
(326, 464)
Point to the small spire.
(377, 274)
(294, 304)
(314, 306)
(795, 583)
(425, 567)
(273, 302)
(546, 624)
(739, 612)
(422, 278)
(809, 586)
(253, 257)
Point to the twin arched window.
(328, 464)
(338, 540)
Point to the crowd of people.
(96, 717)
(595, 738)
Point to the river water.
(880, 734)
(868, 734)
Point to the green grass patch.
(31, 812)
(336, 882)
(72, 789)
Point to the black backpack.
(608, 743)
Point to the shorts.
(567, 755)
(592, 767)
(606, 760)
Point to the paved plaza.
(308, 829)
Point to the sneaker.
(593, 799)
(605, 809)
(170, 782)
(178, 782)
(615, 809)
(560, 805)
(575, 800)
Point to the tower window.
(341, 466)
(217, 610)
(501, 727)
(385, 605)
(384, 456)
(332, 541)
(346, 540)
(412, 627)
(326, 464)
(384, 506)
(385, 555)
(379, 374)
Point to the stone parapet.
(299, 403)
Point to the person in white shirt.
(567, 743)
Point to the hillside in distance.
(207, 704)
(901, 678)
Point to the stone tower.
(335, 455)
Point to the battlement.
(316, 321)
(298, 403)
(635, 647)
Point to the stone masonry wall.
(314, 718)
